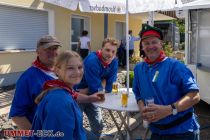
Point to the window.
(20, 28)
(78, 24)
(200, 38)
(120, 30)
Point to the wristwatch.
(174, 110)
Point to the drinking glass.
(115, 87)
(124, 98)
(101, 93)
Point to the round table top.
(113, 102)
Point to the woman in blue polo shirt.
(58, 115)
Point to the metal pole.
(127, 56)
(127, 46)
(187, 37)
(151, 18)
(197, 40)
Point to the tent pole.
(151, 18)
(127, 47)
(127, 59)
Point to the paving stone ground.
(202, 110)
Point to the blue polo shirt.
(173, 82)
(60, 113)
(95, 72)
(28, 86)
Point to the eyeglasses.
(154, 42)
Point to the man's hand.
(22, 122)
(97, 97)
(154, 112)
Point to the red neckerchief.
(58, 83)
(39, 65)
(99, 55)
(159, 59)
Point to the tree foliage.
(168, 49)
(180, 24)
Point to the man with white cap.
(30, 83)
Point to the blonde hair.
(62, 59)
(112, 41)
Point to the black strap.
(173, 123)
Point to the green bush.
(131, 76)
(134, 59)
(122, 79)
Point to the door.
(200, 50)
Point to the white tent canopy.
(69, 4)
(115, 6)
(198, 4)
(134, 6)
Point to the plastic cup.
(148, 101)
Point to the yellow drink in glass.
(115, 87)
(124, 99)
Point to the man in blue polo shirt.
(30, 83)
(132, 39)
(98, 67)
(172, 87)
